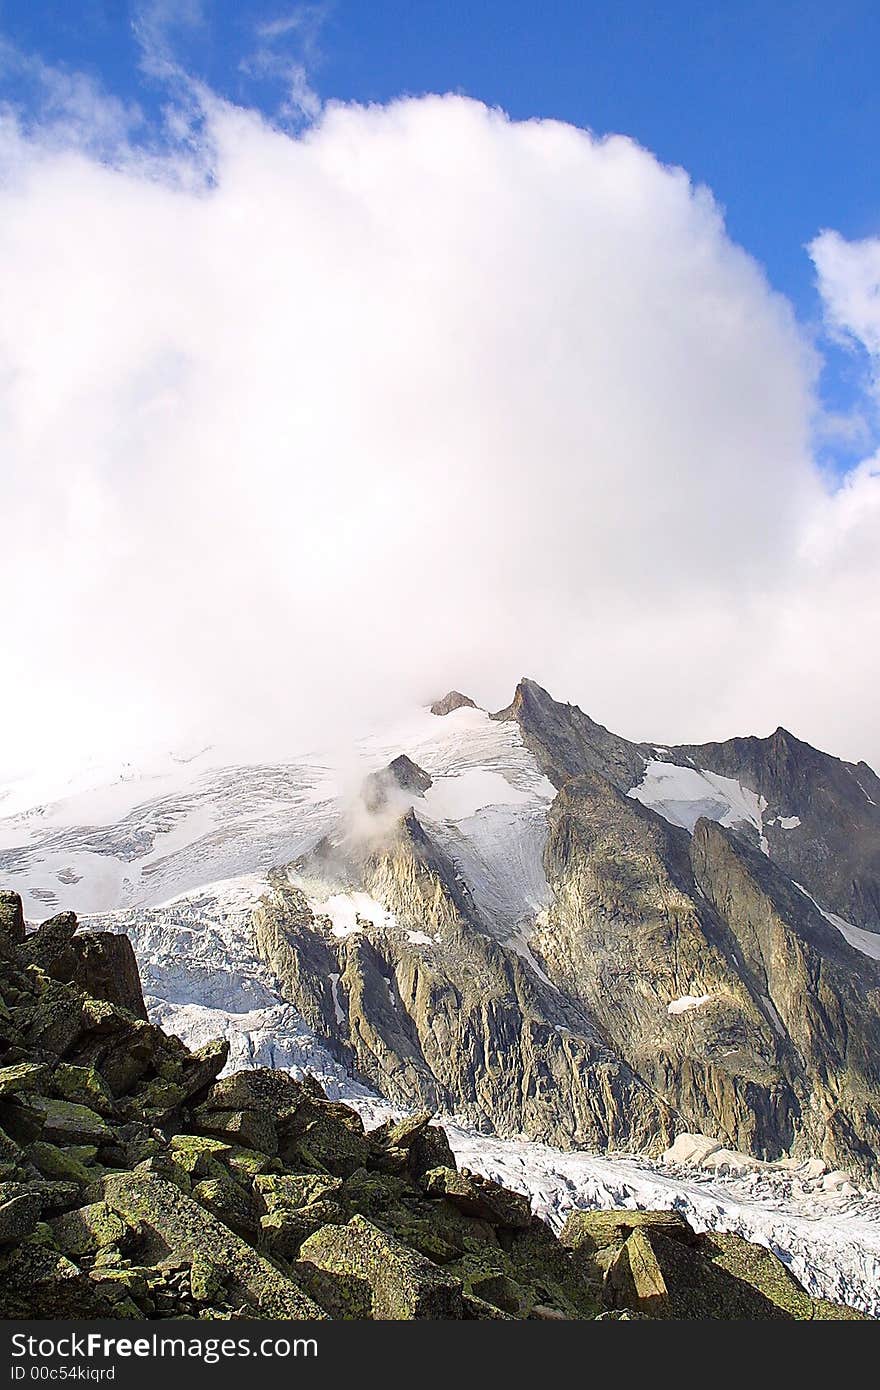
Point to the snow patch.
(868, 942)
(337, 1003)
(687, 1002)
(349, 912)
(682, 795)
(458, 797)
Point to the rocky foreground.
(134, 1183)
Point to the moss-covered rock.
(66, 1122)
(206, 1279)
(290, 1191)
(243, 1128)
(85, 1230)
(199, 1155)
(19, 1215)
(596, 1230)
(37, 1281)
(70, 1164)
(22, 1076)
(172, 1221)
(414, 1143)
(358, 1271)
(477, 1196)
(661, 1277)
(84, 1086)
(230, 1202)
(283, 1231)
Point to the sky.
(350, 352)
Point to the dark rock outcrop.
(568, 743)
(452, 700)
(401, 775)
(12, 929)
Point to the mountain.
(521, 919)
(139, 1182)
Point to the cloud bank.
(297, 429)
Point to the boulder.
(12, 928)
(691, 1150)
(39, 1282)
(105, 966)
(251, 1128)
(84, 1086)
(18, 1216)
(290, 1191)
(718, 1277)
(22, 1076)
(173, 1221)
(229, 1202)
(264, 1090)
(86, 1230)
(596, 1230)
(420, 1144)
(66, 1122)
(477, 1196)
(68, 1164)
(358, 1271)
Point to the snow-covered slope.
(138, 838)
(683, 794)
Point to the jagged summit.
(402, 774)
(452, 700)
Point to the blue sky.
(776, 107)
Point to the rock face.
(821, 816)
(678, 979)
(381, 789)
(435, 1012)
(532, 922)
(148, 1187)
(822, 824)
(720, 983)
(567, 742)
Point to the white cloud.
(849, 282)
(422, 397)
(288, 52)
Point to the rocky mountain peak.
(568, 743)
(452, 700)
(400, 775)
